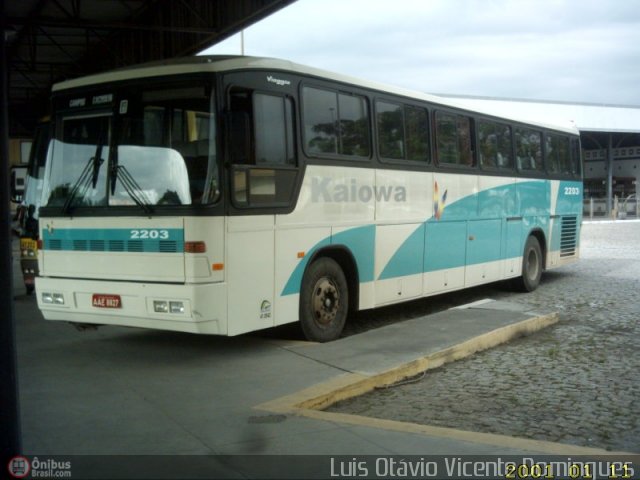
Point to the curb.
(310, 402)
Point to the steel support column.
(10, 443)
(609, 174)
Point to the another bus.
(27, 214)
(223, 195)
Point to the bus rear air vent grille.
(568, 236)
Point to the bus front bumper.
(195, 308)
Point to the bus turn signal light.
(195, 247)
(217, 267)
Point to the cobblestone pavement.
(577, 382)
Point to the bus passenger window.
(390, 130)
(558, 154)
(453, 134)
(417, 132)
(320, 120)
(403, 132)
(354, 125)
(335, 123)
(576, 161)
(273, 118)
(529, 150)
(494, 145)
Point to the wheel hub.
(326, 301)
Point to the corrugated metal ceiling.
(53, 40)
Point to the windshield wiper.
(132, 187)
(85, 177)
(89, 175)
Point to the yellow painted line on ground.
(506, 441)
(311, 401)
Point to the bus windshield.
(156, 147)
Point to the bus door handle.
(472, 237)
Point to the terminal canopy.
(53, 40)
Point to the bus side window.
(273, 126)
(320, 120)
(576, 161)
(494, 145)
(453, 137)
(558, 154)
(354, 125)
(260, 134)
(529, 150)
(390, 123)
(335, 123)
(238, 125)
(239, 137)
(403, 132)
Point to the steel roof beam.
(82, 24)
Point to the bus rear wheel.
(324, 300)
(531, 266)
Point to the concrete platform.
(120, 391)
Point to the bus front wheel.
(324, 300)
(531, 266)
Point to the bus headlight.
(52, 298)
(176, 307)
(160, 306)
(165, 306)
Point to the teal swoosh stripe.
(360, 241)
(480, 215)
(444, 241)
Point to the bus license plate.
(101, 300)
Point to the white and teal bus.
(223, 195)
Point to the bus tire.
(531, 266)
(324, 300)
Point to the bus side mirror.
(18, 180)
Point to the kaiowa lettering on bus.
(323, 190)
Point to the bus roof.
(222, 63)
